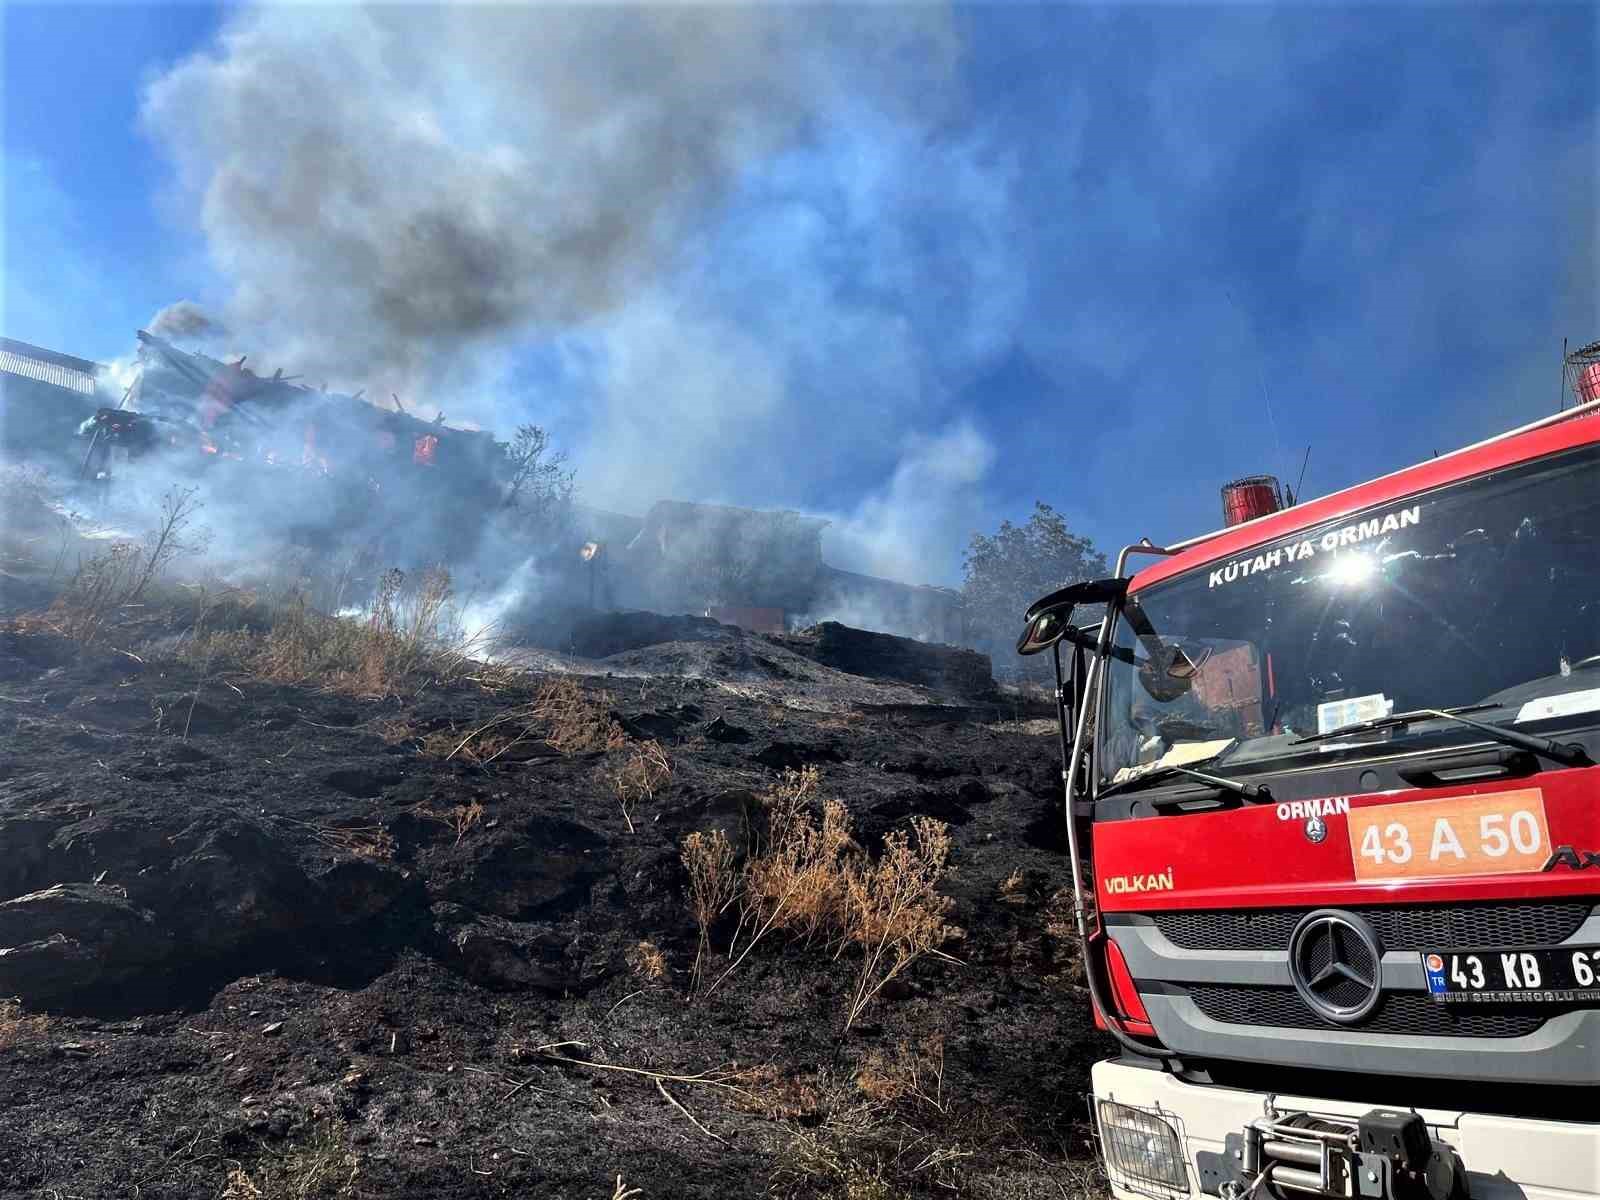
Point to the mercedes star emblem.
(1316, 829)
(1336, 964)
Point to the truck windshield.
(1483, 592)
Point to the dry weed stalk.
(623, 1192)
(638, 778)
(713, 886)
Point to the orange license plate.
(1459, 835)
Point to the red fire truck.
(1333, 814)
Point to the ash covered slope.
(270, 941)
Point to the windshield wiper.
(1393, 721)
(1567, 753)
(1250, 791)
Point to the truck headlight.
(1141, 1148)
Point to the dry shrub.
(17, 1027)
(893, 909)
(810, 881)
(647, 961)
(713, 886)
(578, 723)
(639, 776)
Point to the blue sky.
(1106, 257)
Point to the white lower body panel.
(1507, 1158)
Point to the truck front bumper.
(1166, 1139)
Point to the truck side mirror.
(1044, 630)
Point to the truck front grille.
(1398, 1012)
(1417, 927)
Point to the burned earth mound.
(273, 941)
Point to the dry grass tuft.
(647, 961)
(640, 775)
(17, 1027)
(321, 1168)
(409, 638)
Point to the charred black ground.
(268, 941)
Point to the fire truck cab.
(1333, 817)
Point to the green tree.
(1011, 568)
(539, 484)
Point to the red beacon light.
(1251, 497)
(1582, 369)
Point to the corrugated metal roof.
(47, 366)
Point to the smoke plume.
(691, 240)
(387, 186)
